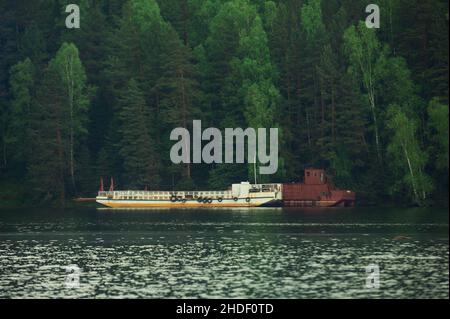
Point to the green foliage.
(22, 81)
(221, 177)
(408, 158)
(46, 170)
(311, 17)
(368, 59)
(178, 90)
(140, 161)
(438, 114)
(68, 66)
(76, 98)
(346, 98)
(178, 87)
(341, 168)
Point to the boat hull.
(319, 203)
(242, 202)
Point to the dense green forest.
(368, 105)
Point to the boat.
(240, 195)
(317, 190)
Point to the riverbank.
(13, 195)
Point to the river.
(225, 253)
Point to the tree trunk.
(333, 115)
(185, 17)
(4, 147)
(308, 128)
(416, 194)
(375, 124)
(184, 106)
(62, 197)
(70, 91)
(322, 105)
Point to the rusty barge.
(317, 190)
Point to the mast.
(254, 168)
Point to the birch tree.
(367, 58)
(407, 156)
(68, 66)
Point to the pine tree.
(22, 82)
(223, 79)
(309, 67)
(439, 133)
(221, 47)
(422, 38)
(260, 97)
(137, 149)
(46, 167)
(135, 49)
(282, 43)
(178, 91)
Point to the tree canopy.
(368, 105)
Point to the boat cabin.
(315, 176)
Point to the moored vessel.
(240, 195)
(317, 190)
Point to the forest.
(370, 105)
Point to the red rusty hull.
(316, 195)
(320, 203)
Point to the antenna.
(254, 168)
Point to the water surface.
(224, 253)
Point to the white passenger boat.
(240, 195)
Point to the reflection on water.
(254, 253)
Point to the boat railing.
(165, 195)
(162, 195)
(256, 188)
